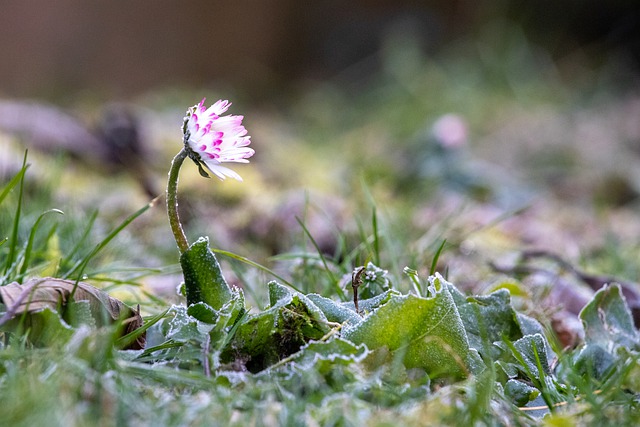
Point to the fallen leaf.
(36, 295)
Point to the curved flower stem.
(172, 201)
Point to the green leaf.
(532, 348)
(228, 317)
(79, 313)
(594, 361)
(610, 334)
(277, 293)
(203, 312)
(608, 322)
(335, 312)
(371, 304)
(519, 392)
(44, 328)
(487, 318)
(426, 332)
(182, 327)
(336, 351)
(265, 338)
(203, 277)
(529, 326)
(183, 336)
(530, 352)
(341, 312)
(506, 370)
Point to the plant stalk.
(172, 201)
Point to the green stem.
(172, 201)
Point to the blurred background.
(449, 116)
(120, 49)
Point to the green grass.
(84, 380)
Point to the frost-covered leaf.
(608, 321)
(278, 292)
(341, 312)
(265, 338)
(594, 361)
(228, 316)
(335, 312)
(370, 304)
(506, 370)
(532, 349)
(203, 312)
(283, 296)
(183, 327)
(234, 309)
(529, 357)
(486, 318)
(611, 338)
(519, 392)
(203, 278)
(427, 332)
(490, 319)
(194, 323)
(529, 325)
(336, 351)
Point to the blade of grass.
(287, 256)
(26, 258)
(16, 220)
(332, 278)
(544, 390)
(144, 357)
(106, 275)
(415, 280)
(80, 241)
(78, 270)
(434, 263)
(127, 339)
(366, 243)
(254, 264)
(359, 248)
(538, 383)
(232, 332)
(168, 376)
(376, 235)
(152, 298)
(13, 182)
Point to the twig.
(356, 281)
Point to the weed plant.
(287, 343)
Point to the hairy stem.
(172, 201)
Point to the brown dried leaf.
(37, 294)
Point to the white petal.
(221, 171)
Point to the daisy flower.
(211, 139)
